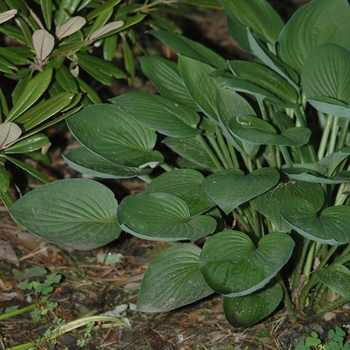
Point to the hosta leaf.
(195, 74)
(162, 216)
(314, 173)
(266, 78)
(230, 188)
(253, 14)
(159, 113)
(32, 92)
(327, 83)
(316, 23)
(89, 163)
(337, 278)
(165, 75)
(331, 226)
(43, 43)
(29, 144)
(191, 149)
(172, 280)
(270, 202)
(112, 134)
(9, 132)
(258, 131)
(249, 309)
(186, 184)
(81, 214)
(189, 48)
(231, 264)
(70, 27)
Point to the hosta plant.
(55, 56)
(256, 206)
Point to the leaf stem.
(287, 302)
(223, 146)
(343, 133)
(334, 135)
(209, 152)
(324, 138)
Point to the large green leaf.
(159, 113)
(231, 264)
(331, 226)
(266, 78)
(187, 47)
(162, 216)
(230, 103)
(337, 278)
(89, 163)
(201, 86)
(325, 79)
(186, 184)
(254, 14)
(230, 188)
(270, 202)
(258, 131)
(246, 310)
(191, 149)
(113, 134)
(165, 75)
(316, 23)
(172, 280)
(78, 213)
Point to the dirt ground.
(99, 281)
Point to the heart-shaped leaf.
(249, 309)
(159, 113)
(180, 283)
(270, 202)
(186, 184)
(331, 226)
(162, 216)
(230, 188)
(337, 278)
(165, 75)
(325, 83)
(253, 14)
(89, 163)
(231, 264)
(113, 134)
(64, 212)
(9, 132)
(316, 23)
(258, 131)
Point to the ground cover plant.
(256, 207)
(54, 58)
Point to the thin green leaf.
(46, 9)
(29, 144)
(33, 91)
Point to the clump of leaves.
(262, 173)
(57, 55)
(336, 341)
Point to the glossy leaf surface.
(77, 218)
(172, 280)
(270, 202)
(331, 226)
(112, 134)
(249, 309)
(162, 216)
(231, 264)
(185, 184)
(230, 188)
(159, 113)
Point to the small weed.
(336, 341)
